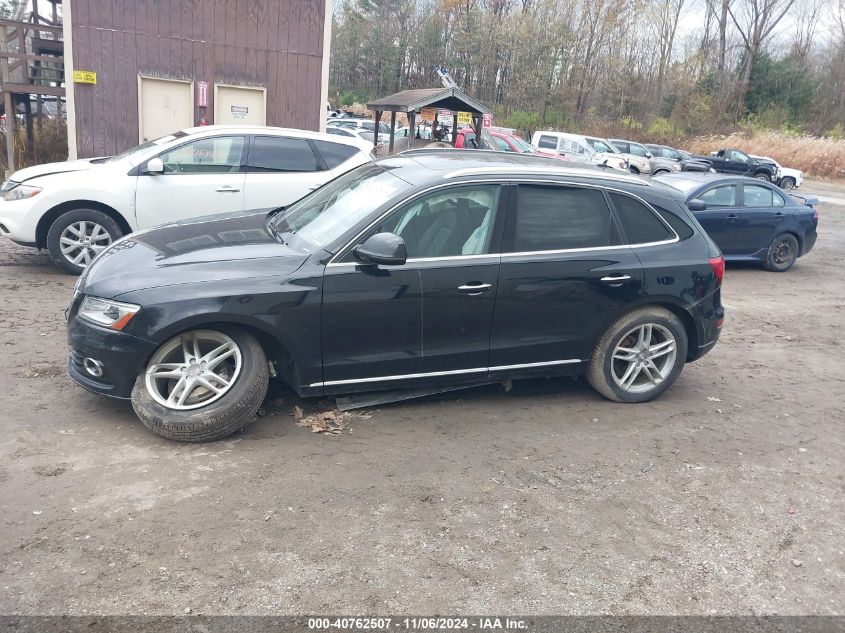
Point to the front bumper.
(121, 357)
(19, 218)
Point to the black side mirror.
(697, 204)
(382, 248)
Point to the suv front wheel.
(202, 385)
(76, 237)
(639, 356)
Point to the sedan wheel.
(639, 356)
(202, 384)
(782, 253)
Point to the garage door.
(239, 104)
(165, 106)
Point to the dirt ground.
(725, 496)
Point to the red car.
(504, 142)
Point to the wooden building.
(139, 69)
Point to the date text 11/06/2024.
(417, 624)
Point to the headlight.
(20, 192)
(106, 313)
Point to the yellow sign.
(84, 77)
(464, 118)
(427, 114)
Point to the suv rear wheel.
(202, 385)
(76, 237)
(639, 356)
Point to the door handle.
(616, 280)
(474, 289)
(227, 189)
(732, 217)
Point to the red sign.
(488, 120)
(202, 94)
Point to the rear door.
(719, 218)
(564, 277)
(281, 170)
(201, 177)
(759, 218)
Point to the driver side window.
(216, 155)
(458, 221)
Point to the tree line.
(667, 67)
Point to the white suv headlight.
(107, 313)
(21, 192)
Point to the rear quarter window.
(335, 153)
(639, 223)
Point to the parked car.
(638, 157)
(788, 178)
(434, 267)
(683, 160)
(750, 220)
(734, 161)
(362, 134)
(366, 124)
(508, 142)
(75, 209)
(580, 149)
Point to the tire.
(223, 414)
(782, 253)
(763, 176)
(99, 229)
(634, 170)
(606, 368)
(787, 183)
(660, 171)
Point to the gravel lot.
(725, 496)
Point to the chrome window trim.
(452, 372)
(345, 249)
(525, 170)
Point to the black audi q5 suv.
(427, 268)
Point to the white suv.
(77, 208)
(581, 149)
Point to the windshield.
(601, 146)
(522, 146)
(148, 144)
(324, 216)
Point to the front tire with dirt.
(639, 356)
(202, 385)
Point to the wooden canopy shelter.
(409, 101)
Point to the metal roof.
(412, 100)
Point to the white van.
(582, 149)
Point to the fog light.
(93, 367)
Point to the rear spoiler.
(810, 201)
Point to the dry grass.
(820, 157)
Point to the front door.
(429, 319)
(719, 218)
(201, 177)
(564, 277)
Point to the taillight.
(815, 215)
(718, 264)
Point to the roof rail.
(582, 172)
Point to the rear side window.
(280, 154)
(639, 223)
(678, 223)
(760, 196)
(552, 218)
(335, 153)
(548, 142)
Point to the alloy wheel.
(193, 369)
(643, 358)
(82, 241)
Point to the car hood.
(214, 248)
(84, 164)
